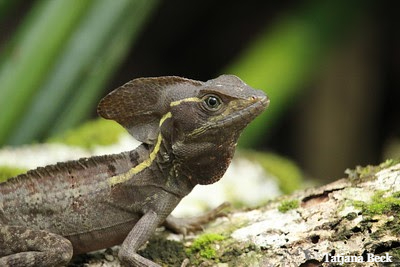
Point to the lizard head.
(206, 126)
(197, 122)
(219, 110)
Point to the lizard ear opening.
(139, 105)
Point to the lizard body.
(189, 131)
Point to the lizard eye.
(212, 102)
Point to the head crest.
(139, 105)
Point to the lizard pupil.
(212, 102)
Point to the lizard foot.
(185, 225)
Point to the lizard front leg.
(139, 234)
(25, 247)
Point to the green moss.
(395, 252)
(287, 205)
(91, 134)
(288, 173)
(204, 245)
(380, 205)
(351, 216)
(8, 172)
(369, 171)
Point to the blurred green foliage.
(284, 58)
(94, 133)
(62, 46)
(289, 175)
(8, 172)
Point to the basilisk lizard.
(188, 131)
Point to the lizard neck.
(165, 168)
(152, 165)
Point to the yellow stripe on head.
(166, 116)
(189, 99)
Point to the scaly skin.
(189, 131)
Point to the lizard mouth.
(245, 115)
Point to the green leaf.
(89, 57)
(80, 105)
(31, 56)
